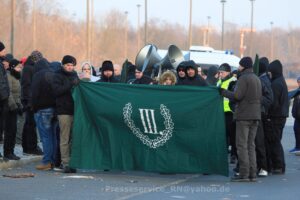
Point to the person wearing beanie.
(65, 79)
(277, 114)
(225, 82)
(14, 109)
(36, 56)
(4, 90)
(247, 114)
(267, 99)
(192, 76)
(107, 72)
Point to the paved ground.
(139, 185)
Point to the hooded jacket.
(92, 72)
(296, 108)
(41, 82)
(196, 80)
(280, 105)
(107, 65)
(211, 79)
(26, 80)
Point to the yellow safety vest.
(225, 85)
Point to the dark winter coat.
(4, 87)
(211, 73)
(26, 80)
(296, 108)
(42, 81)
(193, 81)
(146, 80)
(62, 88)
(267, 93)
(247, 95)
(280, 106)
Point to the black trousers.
(3, 112)
(260, 148)
(10, 133)
(297, 133)
(29, 136)
(275, 155)
(230, 132)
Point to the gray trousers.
(245, 143)
(65, 125)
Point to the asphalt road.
(145, 186)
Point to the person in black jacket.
(192, 77)
(212, 75)
(62, 85)
(29, 135)
(267, 99)
(4, 91)
(43, 105)
(107, 72)
(141, 78)
(180, 73)
(278, 113)
(296, 115)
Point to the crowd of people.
(255, 107)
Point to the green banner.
(168, 129)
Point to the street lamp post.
(190, 24)
(272, 44)
(251, 33)
(146, 22)
(208, 27)
(222, 41)
(88, 29)
(33, 24)
(126, 34)
(12, 32)
(138, 28)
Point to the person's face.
(5, 64)
(181, 73)
(117, 69)
(241, 68)
(138, 74)
(69, 67)
(18, 68)
(86, 69)
(108, 73)
(223, 74)
(168, 81)
(191, 72)
(2, 53)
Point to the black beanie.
(2, 46)
(225, 67)
(263, 65)
(69, 59)
(13, 63)
(107, 65)
(246, 62)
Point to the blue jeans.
(47, 123)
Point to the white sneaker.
(262, 173)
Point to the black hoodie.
(211, 79)
(280, 106)
(195, 80)
(41, 82)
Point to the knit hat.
(107, 65)
(69, 59)
(246, 62)
(2, 46)
(13, 63)
(36, 56)
(225, 67)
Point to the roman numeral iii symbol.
(148, 120)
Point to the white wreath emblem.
(165, 135)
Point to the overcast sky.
(284, 13)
